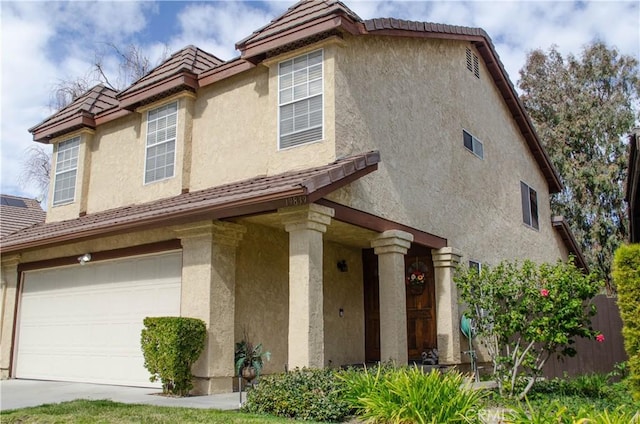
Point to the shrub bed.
(303, 394)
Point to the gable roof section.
(78, 114)
(255, 195)
(302, 20)
(481, 40)
(17, 213)
(178, 72)
(562, 227)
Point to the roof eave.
(560, 225)
(134, 98)
(45, 133)
(256, 48)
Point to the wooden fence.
(594, 356)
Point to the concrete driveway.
(15, 394)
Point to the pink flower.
(544, 292)
(600, 338)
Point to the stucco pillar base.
(208, 293)
(306, 225)
(445, 261)
(212, 385)
(391, 247)
(8, 288)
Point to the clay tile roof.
(379, 24)
(169, 76)
(303, 19)
(17, 213)
(259, 194)
(79, 113)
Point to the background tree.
(582, 107)
(132, 64)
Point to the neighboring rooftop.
(17, 213)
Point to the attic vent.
(10, 201)
(473, 65)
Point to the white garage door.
(83, 323)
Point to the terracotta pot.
(249, 373)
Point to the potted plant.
(250, 359)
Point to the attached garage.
(82, 323)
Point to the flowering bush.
(524, 313)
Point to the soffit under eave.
(184, 80)
(254, 51)
(45, 133)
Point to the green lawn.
(105, 411)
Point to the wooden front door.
(421, 307)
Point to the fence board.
(593, 356)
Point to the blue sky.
(44, 42)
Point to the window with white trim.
(472, 144)
(64, 186)
(300, 91)
(160, 155)
(529, 199)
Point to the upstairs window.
(529, 206)
(160, 155)
(472, 144)
(64, 186)
(300, 91)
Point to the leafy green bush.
(524, 313)
(408, 395)
(582, 397)
(556, 412)
(303, 394)
(626, 275)
(170, 346)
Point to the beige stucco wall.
(235, 130)
(411, 99)
(262, 297)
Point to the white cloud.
(215, 27)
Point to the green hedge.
(303, 394)
(170, 346)
(626, 275)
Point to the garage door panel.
(83, 323)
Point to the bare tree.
(36, 169)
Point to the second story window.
(300, 91)
(64, 186)
(473, 144)
(160, 154)
(529, 206)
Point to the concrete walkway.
(15, 394)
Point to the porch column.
(445, 261)
(305, 225)
(8, 292)
(208, 293)
(391, 247)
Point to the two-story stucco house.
(291, 192)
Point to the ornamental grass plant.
(386, 394)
